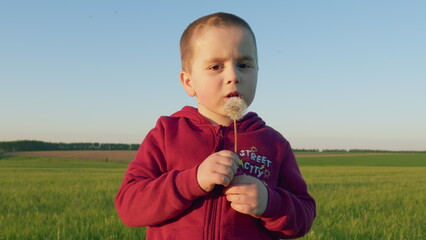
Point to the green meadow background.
(358, 197)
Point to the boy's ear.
(185, 79)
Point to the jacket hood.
(250, 122)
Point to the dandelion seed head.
(235, 108)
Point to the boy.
(186, 183)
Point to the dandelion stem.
(235, 136)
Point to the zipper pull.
(219, 138)
(219, 133)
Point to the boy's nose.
(232, 75)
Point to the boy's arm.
(149, 194)
(290, 210)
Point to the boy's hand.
(217, 169)
(247, 195)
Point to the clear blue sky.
(333, 74)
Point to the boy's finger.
(233, 164)
(236, 162)
(242, 208)
(221, 179)
(225, 170)
(236, 198)
(228, 161)
(227, 153)
(235, 189)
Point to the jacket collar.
(250, 122)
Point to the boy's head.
(197, 27)
(219, 61)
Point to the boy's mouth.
(233, 94)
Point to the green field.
(358, 197)
(368, 197)
(47, 198)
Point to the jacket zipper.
(216, 191)
(212, 221)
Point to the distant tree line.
(353, 151)
(366, 151)
(305, 150)
(33, 145)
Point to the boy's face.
(224, 65)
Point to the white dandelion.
(235, 108)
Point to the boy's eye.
(244, 65)
(216, 67)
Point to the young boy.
(186, 182)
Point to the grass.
(367, 203)
(381, 160)
(46, 198)
(367, 197)
(358, 197)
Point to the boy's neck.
(216, 119)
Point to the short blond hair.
(213, 20)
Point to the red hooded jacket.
(160, 187)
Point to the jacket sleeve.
(291, 210)
(147, 185)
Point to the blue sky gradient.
(333, 74)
